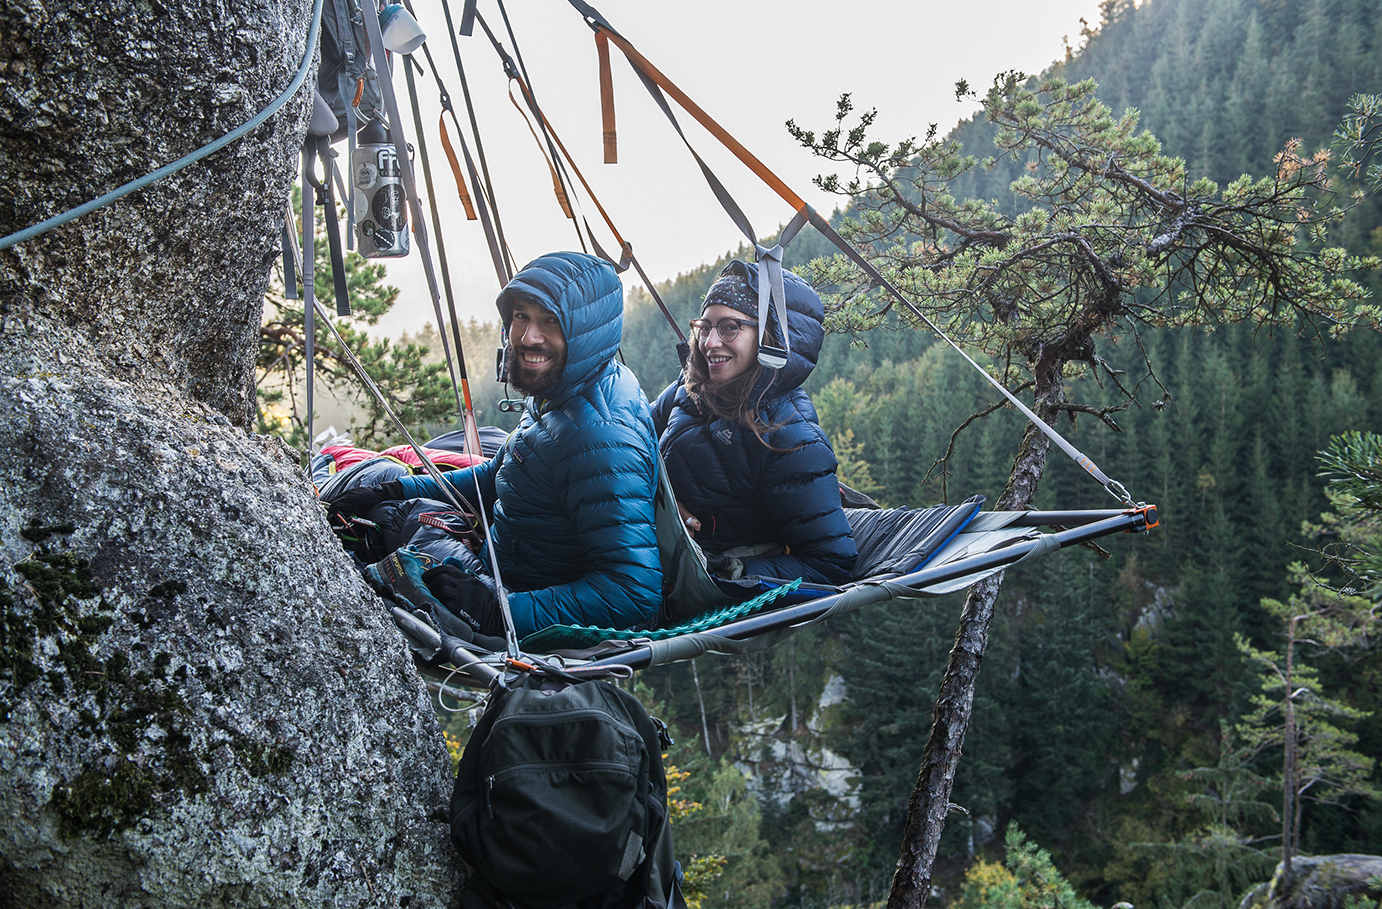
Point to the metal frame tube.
(1120, 521)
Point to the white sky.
(751, 64)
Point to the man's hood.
(585, 294)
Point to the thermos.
(381, 211)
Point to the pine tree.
(419, 392)
(1108, 220)
(1317, 761)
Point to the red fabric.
(406, 454)
(346, 455)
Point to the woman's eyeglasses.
(727, 329)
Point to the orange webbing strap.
(527, 95)
(607, 99)
(655, 79)
(557, 188)
(455, 165)
(743, 154)
(625, 247)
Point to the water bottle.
(381, 211)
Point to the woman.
(753, 472)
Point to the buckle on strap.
(770, 292)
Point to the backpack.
(345, 65)
(561, 802)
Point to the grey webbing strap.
(1116, 489)
(699, 643)
(865, 594)
(559, 169)
(1043, 544)
(345, 197)
(770, 290)
(494, 233)
(348, 95)
(620, 266)
(345, 88)
(333, 224)
(726, 200)
(309, 255)
(451, 362)
(400, 141)
(290, 270)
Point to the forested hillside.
(1113, 680)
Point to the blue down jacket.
(745, 493)
(571, 493)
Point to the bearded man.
(569, 499)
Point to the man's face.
(537, 348)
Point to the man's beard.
(534, 385)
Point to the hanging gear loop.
(657, 83)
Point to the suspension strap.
(424, 248)
(654, 79)
(290, 270)
(512, 71)
(611, 140)
(400, 142)
(770, 290)
(472, 430)
(557, 187)
(455, 165)
(627, 256)
(494, 232)
(326, 196)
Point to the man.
(571, 493)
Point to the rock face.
(200, 701)
(1320, 882)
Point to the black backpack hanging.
(561, 802)
(345, 72)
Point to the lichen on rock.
(201, 702)
(198, 692)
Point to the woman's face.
(727, 359)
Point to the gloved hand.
(361, 500)
(466, 597)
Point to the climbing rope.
(239, 132)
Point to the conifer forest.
(1123, 720)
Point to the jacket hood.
(585, 294)
(805, 327)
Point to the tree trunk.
(200, 701)
(930, 801)
(1290, 809)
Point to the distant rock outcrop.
(1320, 882)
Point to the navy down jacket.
(745, 493)
(571, 493)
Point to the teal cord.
(42, 227)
